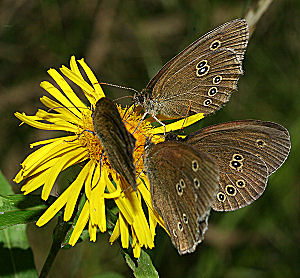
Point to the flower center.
(90, 141)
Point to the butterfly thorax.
(145, 99)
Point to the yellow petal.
(97, 207)
(121, 202)
(140, 224)
(116, 232)
(90, 95)
(76, 188)
(31, 165)
(88, 182)
(35, 182)
(95, 204)
(41, 160)
(80, 224)
(178, 124)
(113, 193)
(124, 231)
(58, 118)
(92, 231)
(64, 139)
(57, 107)
(148, 200)
(137, 251)
(31, 120)
(98, 90)
(63, 84)
(71, 158)
(54, 208)
(87, 89)
(60, 97)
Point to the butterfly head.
(139, 97)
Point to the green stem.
(59, 235)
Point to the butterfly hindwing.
(247, 152)
(183, 184)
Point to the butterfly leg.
(145, 114)
(92, 132)
(100, 169)
(161, 123)
(187, 113)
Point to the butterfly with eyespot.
(117, 142)
(238, 155)
(247, 153)
(183, 185)
(201, 78)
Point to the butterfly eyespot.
(196, 183)
(221, 197)
(212, 91)
(230, 189)
(207, 102)
(195, 165)
(202, 71)
(215, 45)
(236, 164)
(179, 189)
(174, 233)
(180, 227)
(182, 183)
(260, 143)
(185, 219)
(238, 157)
(201, 64)
(217, 79)
(240, 183)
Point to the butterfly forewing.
(247, 152)
(183, 185)
(204, 74)
(116, 141)
(199, 93)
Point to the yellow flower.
(42, 167)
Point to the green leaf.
(16, 262)
(14, 237)
(15, 253)
(5, 187)
(20, 209)
(144, 266)
(108, 275)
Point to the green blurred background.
(126, 43)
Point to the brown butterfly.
(184, 175)
(184, 183)
(116, 141)
(247, 153)
(201, 78)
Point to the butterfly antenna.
(120, 87)
(122, 98)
